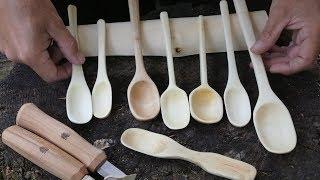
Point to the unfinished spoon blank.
(143, 94)
(102, 92)
(174, 101)
(161, 146)
(271, 118)
(78, 99)
(236, 99)
(206, 104)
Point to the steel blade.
(110, 172)
(129, 177)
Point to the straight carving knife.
(33, 119)
(44, 154)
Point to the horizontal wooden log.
(184, 31)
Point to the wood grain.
(43, 153)
(32, 118)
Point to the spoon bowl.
(143, 98)
(238, 106)
(102, 99)
(175, 108)
(206, 105)
(274, 126)
(78, 103)
(152, 145)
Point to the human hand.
(28, 29)
(303, 18)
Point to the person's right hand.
(28, 29)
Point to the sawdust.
(103, 143)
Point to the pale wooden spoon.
(174, 101)
(236, 98)
(102, 92)
(78, 99)
(143, 94)
(206, 104)
(271, 118)
(161, 146)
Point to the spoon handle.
(102, 71)
(77, 71)
(168, 41)
(247, 30)
(233, 73)
(135, 21)
(219, 165)
(202, 53)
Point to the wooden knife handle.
(43, 153)
(33, 119)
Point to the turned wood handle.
(43, 153)
(32, 118)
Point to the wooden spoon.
(102, 92)
(206, 104)
(78, 99)
(236, 99)
(271, 118)
(161, 146)
(174, 101)
(143, 94)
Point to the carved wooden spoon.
(206, 104)
(161, 146)
(174, 101)
(78, 99)
(143, 94)
(102, 92)
(271, 118)
(236, 98)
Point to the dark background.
(300, 93)
(117, 10)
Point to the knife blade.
(33, 119)
(44, 154)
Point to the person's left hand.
(303, 18)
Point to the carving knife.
(33, 119)
(44, 154)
